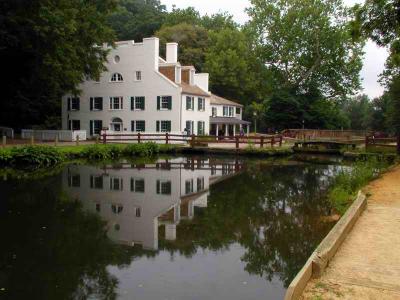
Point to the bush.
(5, 156)
(348, 182)
(102, 152)
(36, 156)
(144, 150)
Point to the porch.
(228, 126)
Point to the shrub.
(144, 150)
(349, 181)
(36, 156)
(101, 152)
(5, 156)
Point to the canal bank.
(367, 264)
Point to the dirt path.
(367, 265)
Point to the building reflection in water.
(135, 199)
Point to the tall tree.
(137, 19)
(50, 45)
(308, 45)
(192, 39)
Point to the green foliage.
(144, 149)
(50, 44)
(5, 156)
(307, 45)
(137, 19)
(101, 152)
(349, 181)
(192, 39)
(34, 156)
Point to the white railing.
(8, 132)
(154, 137)
(50, 135)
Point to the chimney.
(172, 52)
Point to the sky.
(374, 58)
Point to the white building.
(135, 200)
(141, 92)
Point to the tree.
(178, 16)
(234, 70)
(360, 112)
(307, 45)
(51, 47)
(137, 19)
(192, 39)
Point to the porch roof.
(228, 120)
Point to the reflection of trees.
(273, 212)
(52, 249)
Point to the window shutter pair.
(132, 126)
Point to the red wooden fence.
(193, 140)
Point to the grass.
(40, 156)
(349, 181)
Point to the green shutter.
(132, 125)
(143, 101)
(91, 103)
(169, 102)
(158, 126)
(91, 126)
(101, 103)
(158, 102)
(69, 104)
(169, 126)
(132, 103)
(158, 186)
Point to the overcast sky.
(374, 58)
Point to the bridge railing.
(381, 142)
(193, 140)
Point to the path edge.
(320, 258)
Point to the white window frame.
(229, 111)
(165, 123)
(212, 111)
(116, 77)
(135, 99)
(191, 108)
(77, 107)
(138, 75)
(93, 99)
(164, 101)
(120, 103)
(203, 103)
(133, 185)
(136, 125)
(201, 181)
(160, 182)
(189, 183)
(113, 185)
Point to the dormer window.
(116, 77)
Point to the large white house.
(142, 92)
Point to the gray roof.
(227, 120)
(221, 101)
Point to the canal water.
(178, 228)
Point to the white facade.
(138, 64)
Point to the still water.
(178, 228)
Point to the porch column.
(216, 131)
(234, 130)
(226, 129)
(248, 129)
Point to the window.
(200, 184)
(138, 212)
(116, 184)
(96, 103)
(116, 103)
(200, 127)
(137, 103)
(163, 187)
(96, 126)
(238, 110)
(96, 182)
(74, 180)
(116, 77)
(74, 125)
(214, 111)
(137, 185)
(140, 126)
(73, 103)
(163, 126)
(189, 103)
(190, 127)
(228, 111)
(138, 75)
(164, 102)
(189, 186)
(201, 104)
(117, 208)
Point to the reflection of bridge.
(135, 199)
